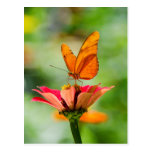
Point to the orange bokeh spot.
(93, 117)
(88, 117)
(58, 116)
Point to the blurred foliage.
(45, 29)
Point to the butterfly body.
(74, 75)
(85, 65)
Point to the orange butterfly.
(85, 65)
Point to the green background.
(45, 30)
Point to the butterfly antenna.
(58, 68)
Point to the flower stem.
(75, 131)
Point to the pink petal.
(89, 88)
(37, 91)
(85, 88)
(97, 89)
(98, 94)
(68, 96)
(39, 99)
(94, 88)
(53, 91)
(53, 100)
(83, 99)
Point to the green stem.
(75, 131)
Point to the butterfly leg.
(81, 82)
(68, 79)
(75, 81)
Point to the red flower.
(71, 97)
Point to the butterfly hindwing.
(90, 68)
(69, 57)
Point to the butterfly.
(85, 65)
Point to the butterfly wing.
(87, 63)
(69, 57)
(90, 68)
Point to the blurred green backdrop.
(45, 29)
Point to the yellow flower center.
(66, 86)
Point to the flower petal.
(39, 99)
(53, 91)
(82, 100)
(95, 88)
(68, 95)
(90, 89)
(98, 94)
(85, 88)
(37, 91)
(53, 100)
(93, 117)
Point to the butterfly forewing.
(69, 57)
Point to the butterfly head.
(73, 75)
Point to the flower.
(91, 116)
(71, 101)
